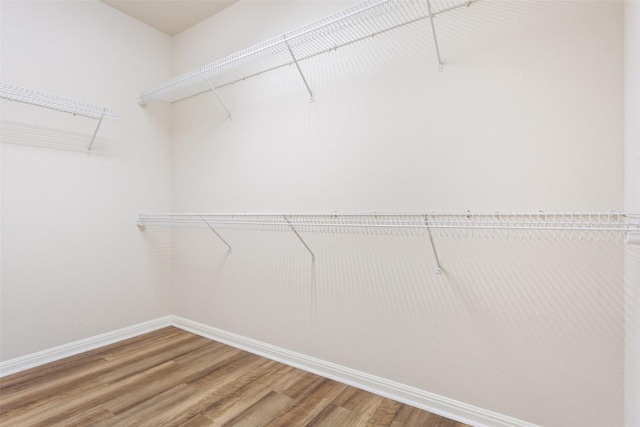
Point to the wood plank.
(42, 388)
(152, 412)
(198, 421)
(331, 415)
(242, 392)
(309, 404)
(86, 401)
(136, 365)
(352, 407)
(48, 371)
(365, 411)
(358, 399)
(296, 389)
(220, 395)
(47, 404)
(234, 404)
(90, 417)
(263, 411)
(385, 413)
(182, 375)
(58, 382)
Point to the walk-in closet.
(320, 213)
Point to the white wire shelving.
(538, 225)
(16, 93)
(343, 28)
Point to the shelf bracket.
(295, 61)
(95, 132)
(216, 233)
(433, 246)
(435, 38)
(313, 257)
(215, 92)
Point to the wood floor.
(174, 378)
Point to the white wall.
(74, 264)
(529, 114)
(632, 204)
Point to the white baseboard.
(56, 353)
(431, 402)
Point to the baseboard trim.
(33, 360)
(431, 402)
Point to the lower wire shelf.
(511, 225)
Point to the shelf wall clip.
(215, 92)
(295, 61)
(216, 233)
(435, 38)
(313, 257)
(433, 246)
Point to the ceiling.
(170, 16)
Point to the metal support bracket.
(433, 246)
(313, 257)
(295, 61)
(95, 132)
(215, 92)
(435, 38)
(216, 233)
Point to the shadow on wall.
(503, 302)
(158, 243)
(527, 279)
(44, 137)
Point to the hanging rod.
(566, 225)
(16, 93)
(343, 28)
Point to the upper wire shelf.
(348, 26)
(13, 92)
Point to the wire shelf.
(54, 102)
(581, 225)
(348, 26)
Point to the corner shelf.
(348, 26)
(16, 93)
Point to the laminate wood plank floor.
(171, 377)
